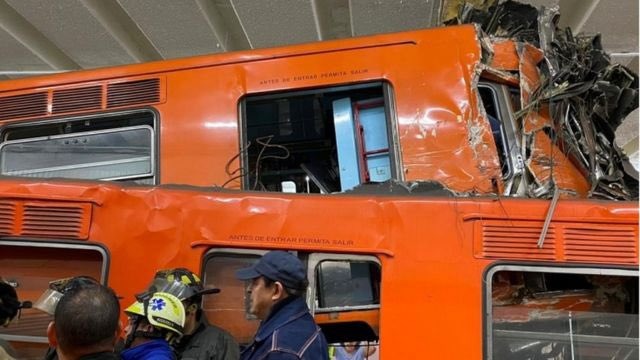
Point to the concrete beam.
(224, 24)
(120, 25)
(332, 18)
(575, 13)
(30, 37)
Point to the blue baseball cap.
(277, 266)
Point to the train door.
(343, 294)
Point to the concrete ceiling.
(41, 36)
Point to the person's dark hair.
(197, 300)
(9, 304)
(87, 317)
(291, 292)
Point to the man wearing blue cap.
(287, 329)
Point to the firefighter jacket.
(208, 342)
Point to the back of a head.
(86, 318)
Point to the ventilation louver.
(20, 106)
(81, 99)
(45, 219)
(101, 96)
(133, 93)
(565, 241)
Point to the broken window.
(547, 313)
(105, 147)
(318, 141)
(490, 102)
(499, 106)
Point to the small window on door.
(345, 297)
(346, 284)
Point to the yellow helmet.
(163, 311)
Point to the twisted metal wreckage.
(570, 80)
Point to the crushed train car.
(571, 95)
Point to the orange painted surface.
(431, 273)
(505, 56)
(441, 133)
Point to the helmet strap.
(132, 335)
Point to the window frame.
(155, 134)
(502, 103)
(104, 273)
(212, 253)
(314, 260)
(395, 155)
(556, 269)
(86, 165)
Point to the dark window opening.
(317, 141)
(103, 147)
(496, 121)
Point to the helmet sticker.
(157, 304)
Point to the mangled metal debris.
(572, 99)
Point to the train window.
(347, 284)
(105, 147)
(345, 297)
(500, 103)
(564, 313)
(318, 141)
(29, 267)
(489, 100)
(229, 308)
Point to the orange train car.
(393, 166)
(464, 278)
(322, 117)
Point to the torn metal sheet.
(572, 98)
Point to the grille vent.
(82, 99)
(587, 243)
(19, 106)
(565, 241)
(133, 93)
(7, 214)
(88, 98)
(519, 240)
(43, 219)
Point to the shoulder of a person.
(281, 355)
(217, 330)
